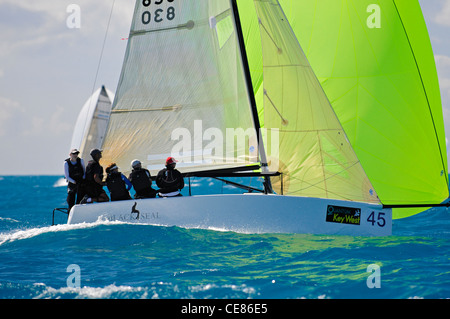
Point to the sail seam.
(286, 66)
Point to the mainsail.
(376, 65)
(92, 121)
(182, 91)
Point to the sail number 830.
(380, 220)
(158, 15)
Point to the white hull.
(247, 213)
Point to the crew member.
(118, 185)
(169, 180)
(94, 180)
(141, 180)
(74, 172)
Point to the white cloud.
(44, 22)
(55, 125)
(13, 121)
(24, 26)
(9, 109)
(47, 72)
(444, 84)
(99, 10)
(442, 17)
(443, 67)
(442, 61)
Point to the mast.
(262, 152)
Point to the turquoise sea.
(118, 260)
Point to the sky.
(48, 69)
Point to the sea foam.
(33, 232)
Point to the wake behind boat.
(224, 104)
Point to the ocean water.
(124, 261)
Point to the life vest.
(117, 187)
(169, 180)
(76, 171)
(93, 168)
(140, 179)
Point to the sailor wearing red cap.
(169, 180)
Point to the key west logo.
(343, 215)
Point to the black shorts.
(94, 190)
(146, 193)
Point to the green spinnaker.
(375, 63)
(314, 156)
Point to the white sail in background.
(182, 86)
(92, 122)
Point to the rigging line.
(285, 122)
(326, 179)
(348, 197)
(100, 62)
(341, 196)
(280, 51)
(103, 46)
(248, 188)
(424, 90)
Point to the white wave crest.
(6, 219)
(60, 182)
(33, 232)
(110, 291)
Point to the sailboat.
(226, 88)
(89, 132)
(92, 122)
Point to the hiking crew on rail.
(86, 184)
